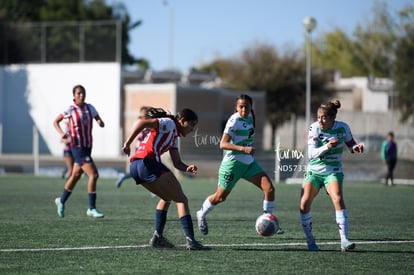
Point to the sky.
(181, 34)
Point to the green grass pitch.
(34, 240)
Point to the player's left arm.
(351, 143)
(179, 164)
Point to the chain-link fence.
(61, 42)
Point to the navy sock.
(187, 224)
(92, 200)
(160, 221)
(65, 195)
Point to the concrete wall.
(369, 128)
(33, 95)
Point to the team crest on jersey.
(164, 127)
(228, 176)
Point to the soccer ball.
(267, 225)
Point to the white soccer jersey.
(322, 160)
(241, 131)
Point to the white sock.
(342, 222)
(206, 207)
(268, 206)
(306, 221)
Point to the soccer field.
(34, 240)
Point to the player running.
(238, 162)
(326, 139)
(80, 115)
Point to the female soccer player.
(141, 136)
(80, 115)
(147, 169)
(238, 162)
(326, 139)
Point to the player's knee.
(76, 174)
(337, 199)
(93, 174)
(217, 199)
(181, 199)
(221, 199)
(269, 189)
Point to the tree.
(404, 65)
(283, 78)
(64, 42)
(381, 47)
(335, 51)
(375, 42)
(368, 52)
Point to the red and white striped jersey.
(81, 122)
(158, 141)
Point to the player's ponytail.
(158, 113)
(186, 114)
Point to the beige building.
(213, 107)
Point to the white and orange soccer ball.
(267, 225)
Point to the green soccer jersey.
(241, 131)
(321, 159)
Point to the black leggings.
(390, 165)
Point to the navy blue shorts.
(67, 152)
(147, 170)
(82, 155)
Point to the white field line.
(210, 245)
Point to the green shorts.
(320, 181)
(231, 171)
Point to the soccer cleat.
(60, 207)
(158, 241)
(194, 245)
(280, 231)
(312, 246)
(346, 246)
(94, 213)
(202, 224)
(120, 180)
